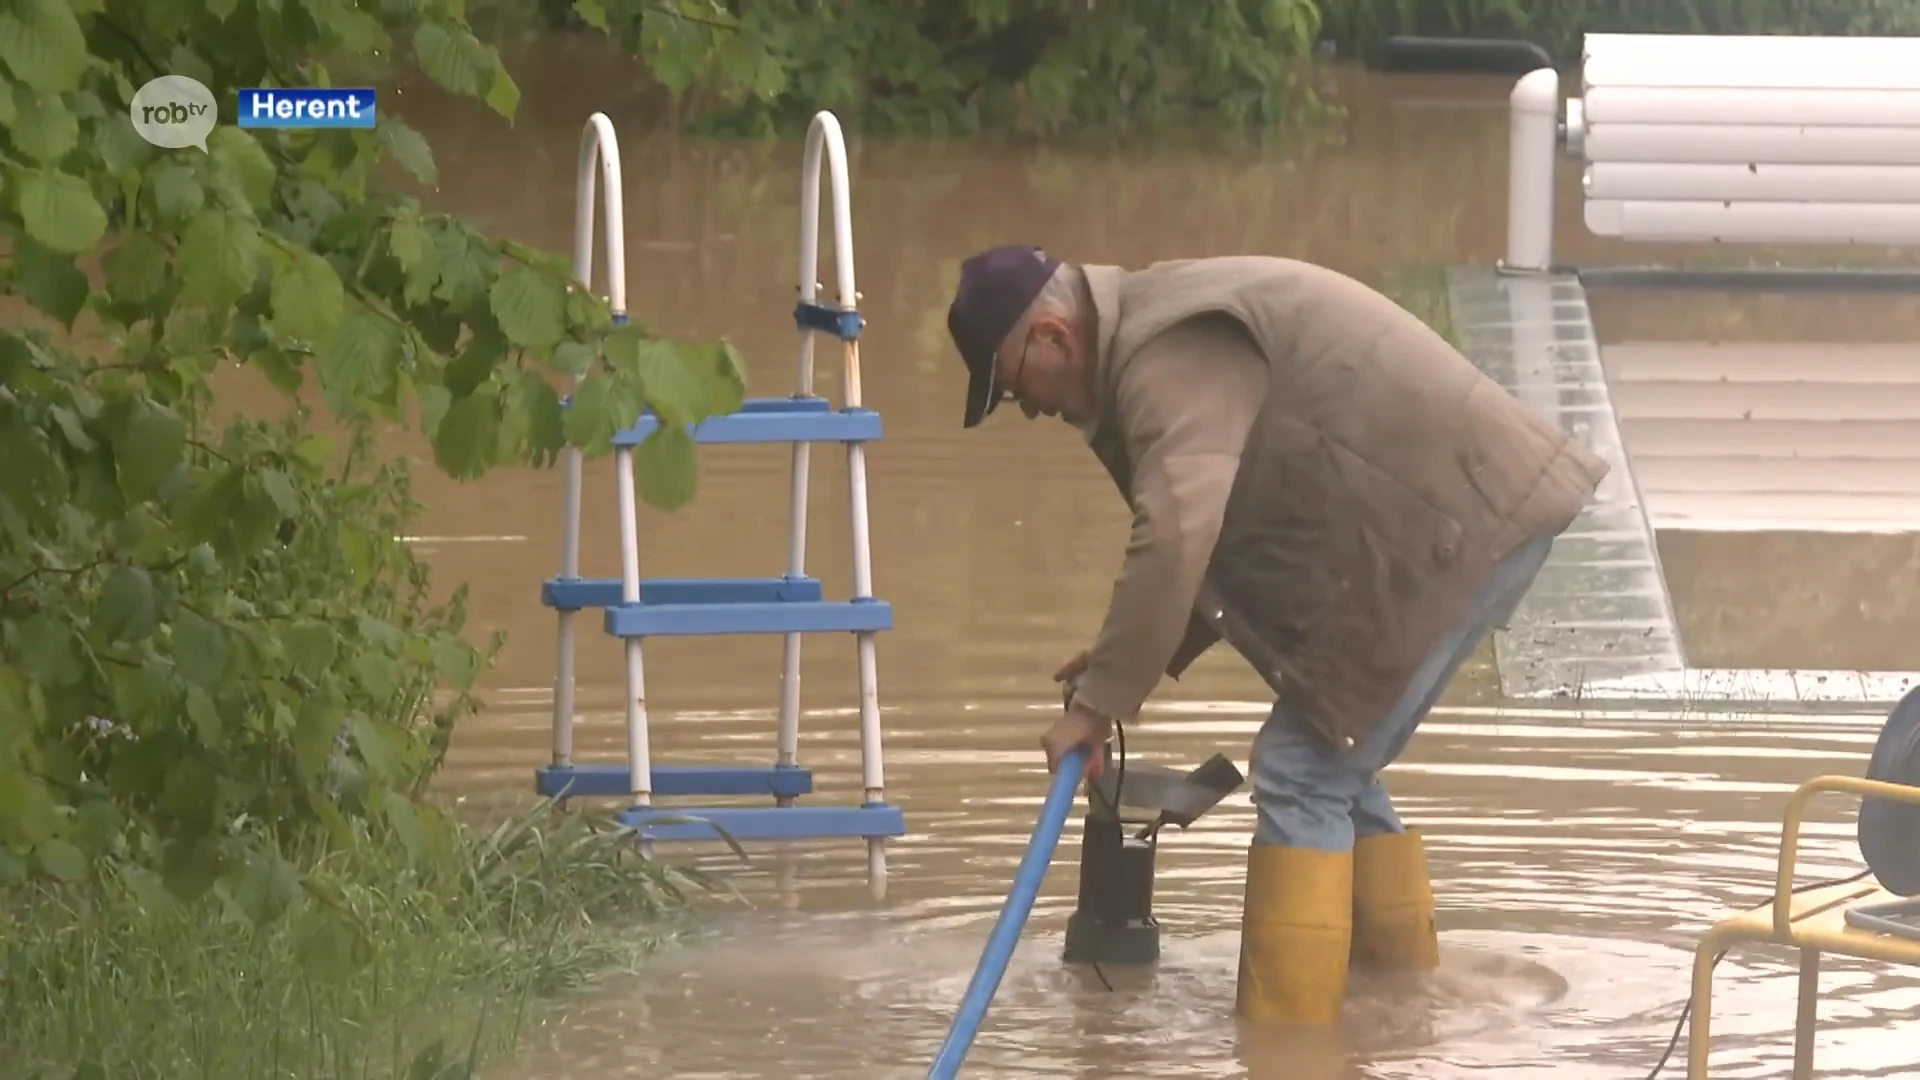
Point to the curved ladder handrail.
(1013, 916)
(599, 153)
(826, 141)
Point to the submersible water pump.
(1113, 922)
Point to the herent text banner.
(308, 108)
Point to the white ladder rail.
(824, 138)
(599, 154)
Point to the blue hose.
(1013, 916)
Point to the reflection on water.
(1575, 859)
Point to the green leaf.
(465, 266)
(41, 42)
(530, 306)
(329, 947)
(313, 736)
(573, 358)
(376, 673)
(465, 441)
(47, 653)
(267, 888)
(409, 148)
(376, 749)
(665, 469)
(174, 190)
(672, 387)
(593, 13)
(190, 866)
(361, 357)
(59, 209)
(205, 716)
(280, 489)
(60, 859)
(546, 420)
(594, 418)
(219, 258)
(121, 148)
(147, 447)
(45, 130)
(126, 609)
(456, 661)
(236, 153)
(140, 694)
(504, 95)
(50, 281)
(308, 299)
(476, 363)
(312, 647)
(200, 649)
(136, 269)
(453, 58)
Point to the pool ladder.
(791, 605)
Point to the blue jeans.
(1310, 795)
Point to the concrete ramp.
(1599, 611)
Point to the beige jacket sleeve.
(1184, 406)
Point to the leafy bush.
(1360, 26)
(214, 648)
(960, 65)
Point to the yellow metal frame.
(1813, 922)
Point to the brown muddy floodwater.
(1576, 858)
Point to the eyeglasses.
(1007, 395)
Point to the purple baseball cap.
(996, 287)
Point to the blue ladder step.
(772, 420)
(575, 594)
(611, 780)
(778, 617)
(766, 823)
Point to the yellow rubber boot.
(1393, 925)
(1295, 934)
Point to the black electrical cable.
(1686, 1010)
(1119, 788)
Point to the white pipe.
(599, 150)
(787, 739)
(824, 133)
(639, 753)
(1531, 134)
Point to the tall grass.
(401, 966)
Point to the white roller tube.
(1752, 61)
(1532, 131)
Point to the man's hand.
(1071, 671)
(1079, 727)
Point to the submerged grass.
(385, 965)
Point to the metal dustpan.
(1165, 796)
